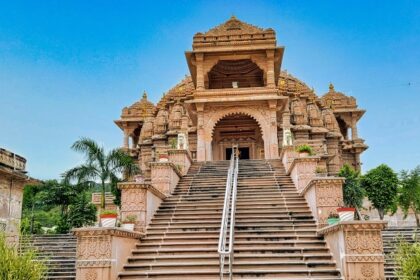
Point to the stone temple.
(236, 93)
(223, 192)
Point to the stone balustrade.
(102, 252)
(288, 154)
(181, 159)
(302, 171)
(164, 176)
(357, 248)
(324, 195)
(140, 200)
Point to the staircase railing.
(227, 226)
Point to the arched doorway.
(237, 129)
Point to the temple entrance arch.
(209, 116)
(241, 130)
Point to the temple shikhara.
(224, 191)
(236, 93)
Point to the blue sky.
(67, 68)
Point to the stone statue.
(182, 143)
(287, 137)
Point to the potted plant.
(321, 171)
(129, 222)
(163, 157)
(333, 218)
(108, 218)
(346, 213)
(173, 143)
(139, 178)
(304, 150)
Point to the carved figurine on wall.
(287, 137)
(182, 142)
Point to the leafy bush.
(353, 193)
(15, 266)
(82, 212)
(409, 193)
(108, 212)
(130, 219)
(407, 258)
(305, 149)
(381, 185)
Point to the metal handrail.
(229, 211)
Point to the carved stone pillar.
(354, 133)
(126, 143)
(140, 200)
(357, 248)
(102, 252)
(271, 83)
(334, 164)
(302, 171)
(199, 57)
(274, 143)
(165, 176)
(181, 159)
(201, 146)
(324, 196)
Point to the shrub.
(353, 193)
(130, 219)
(15, 266)
(305, 149)
(407, 258)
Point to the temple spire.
(331, 87)
(145, 95)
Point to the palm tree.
(100, 166)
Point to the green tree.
(82, 212)
(100, 166)
(353, 193)
(409, 193)
(19, 266)
(381, 185)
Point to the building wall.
(11, 196)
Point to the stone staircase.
(275, 234)
(58, 251)
(391, 236)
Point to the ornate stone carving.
(298, 110)
(161, 122)
(287, 137)
(315, 118)
(91, 274)
(175, 118)
(147, 130)
(330, 121)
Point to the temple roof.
(139, 110)
(337, 100)
(234, 33)
(233, 26)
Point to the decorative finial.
(233, 17)
(331, 87)
(144, 95)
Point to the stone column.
(324, 195)
(354, 133)
(334, 164)
(271, 83)
(165, 176)
(140, 200)
(201, 146)
(102, 252)
(357, 248)
(199, 58)
(274, 143)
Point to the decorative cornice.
(353, 226)
(180, 151)
(302, 159)
(149, 187)
(97, 231)
(322, 180)
(162, 164)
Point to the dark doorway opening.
(243, 153)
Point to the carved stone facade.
(13, 178)
(357, 247)
(101, 252)
(237, 94)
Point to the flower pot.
(139, 179)
(163, 158)
(303, 154)
(332, 221)
(108, 220)
(128, 226)
(346, 213)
